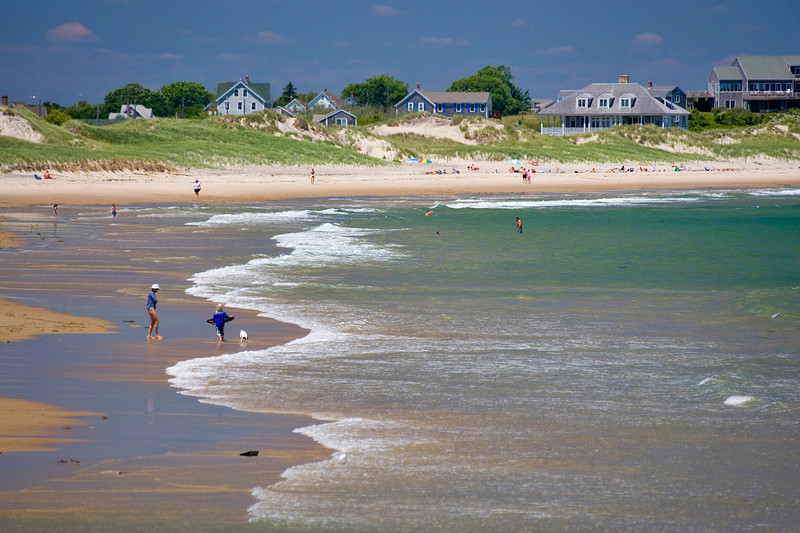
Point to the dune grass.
(171, 144)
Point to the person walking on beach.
(55, 211)
(152, 301)
(519, 225)
(220, 317)
(197, 187)
(312, 175)
(113, 210)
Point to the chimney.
(418, 86)
(623, 78)
(5, 100)
(649, 84)
(247, 79)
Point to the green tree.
(289, 93)
(380, 91)
(185, 98)
(83, 110)
(497, 81)
(135, 94)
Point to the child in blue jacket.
(220, 317)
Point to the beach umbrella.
(412, 160)
(425, 161)
(516, 162)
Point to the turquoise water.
(628, 362)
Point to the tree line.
(188, 99)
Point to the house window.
(236, 92)
(582, 103)
(730, 104)
(341, 122)
(483, 108)
(410, 106)
(227, 105)
(458, 108)
(244, 93)
(625, 102)
(253, 106)
(421, 106)
(471, 108)
(602, 102)
(239, 105)
(440, 108)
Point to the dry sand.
(248, 184)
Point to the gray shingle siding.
(758, 83)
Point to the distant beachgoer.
(113, 210)
(519, 225)
(428, 213)
(197, 187)
(312, 176)
(47, 175)
(220, 317)
(55, 211)
(152, 301)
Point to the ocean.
(629, 362)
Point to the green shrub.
(57, 117)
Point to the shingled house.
(242, 97)
(449, 104)
(757, 83)
(600, 106)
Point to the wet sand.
(137, 455)
(93, 436)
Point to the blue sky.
(69, 51)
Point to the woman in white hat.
(151, 310)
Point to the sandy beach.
(248, 184)
(66, 293)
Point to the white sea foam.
(738, 400)
(774, 192)
(257, 218)
(621, 201)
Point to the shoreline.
(115, 443)
(268, 183)
(200, 472)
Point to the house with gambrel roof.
(449, 104)
(757, 83)
(242, 97)
(600, 106)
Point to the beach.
(74, 323)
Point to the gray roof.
(457, 97)
(642, 102)
(768, 67)
(262, 90)
(660, 91)
(448, 97)
(728, 73)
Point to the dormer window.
(604, 101)
(625, 102)
(583, 102)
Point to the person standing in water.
(220, 318)
(113, 210)
(152, 301)
(519, 225)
